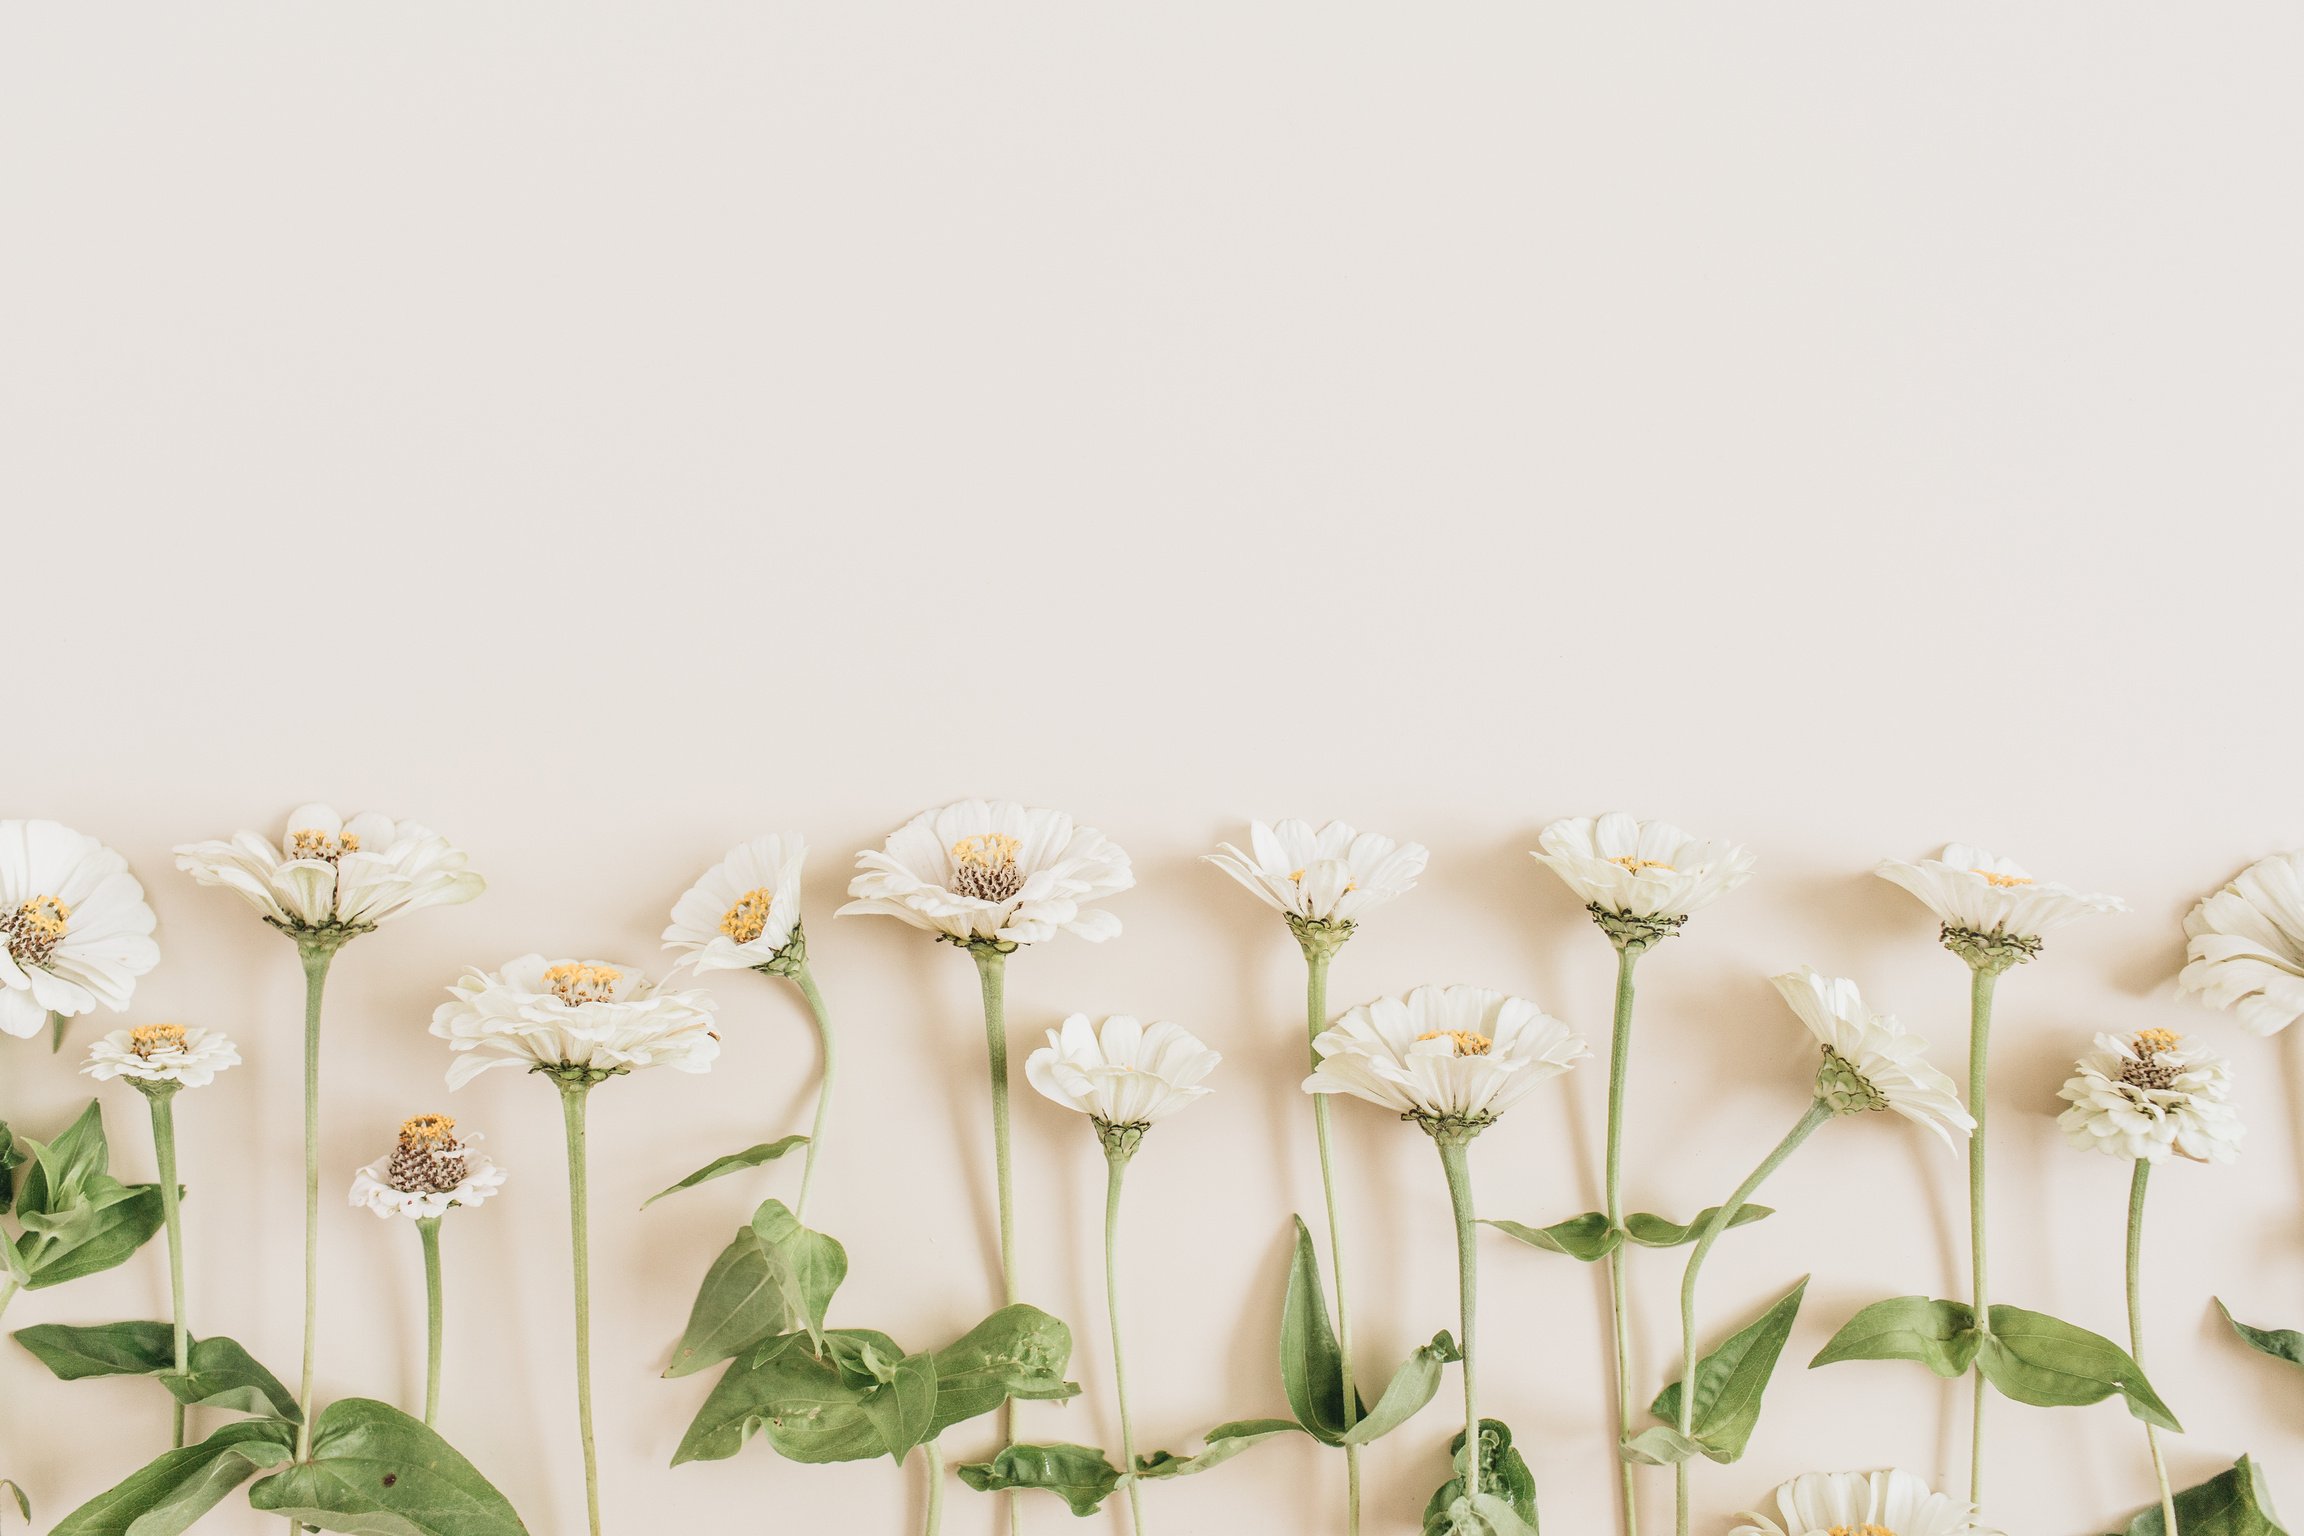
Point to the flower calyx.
(1319, 937)
(1121, 1138)
(1451, 1130)
(1844, 1090)
(789, 961)
(1634, 935)
(1990, 953)
(576, 1077)
(319, 943)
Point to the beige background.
(605, 433)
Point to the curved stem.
(1818, 1113)
(1316, 1020)
(316, 958)
(572, 1095)
(1118, 1164)
(172, 1212)
(806, 982)
(1980, 984)
(935, 1454)
(992, 978)
(1458, 1168)
(2136, 1330)
(428, 1228)
(1619, 1064)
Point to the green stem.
(1818, 1113)
(1316, 1020)
(572, 1095)
(934, 1451)
(316, 958)
(2136, 1330)
(428, 1228)
(1980, 983)
(992, 978)
(1117, 1165)
(806, 982)
(1459, 1170)
(172, 1212)
(1619, 1065)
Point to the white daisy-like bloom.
(1863, 1504)
(75, 932)
(188, 1056)
(1624, 867)
(1454, 1056)
(2244, 945)
(331, 873)
(1332, 875)
(745, 910)
(430, 1172)
(993, 872)
(1975, 892)
(1869, 1061)
(2151, 1095)
(572, 1013)
(1124, 1073)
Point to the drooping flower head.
(993, 873)
(2150, 1095)
(1451, 1059)
(1640, 879)
(175, 1055)
(332, 877)
(1993, 913)
(745, 913)
(1869, 1061)
(74, 930)
(1124, 1075)
(572, 1016)
(432, 1170)
(1863, 1504)
(2244, 945)
(1321, 881)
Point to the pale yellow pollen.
(2151, 1042)
(427, 1131)
(575, 982)
(984, 866)
(44, 917)
(1462, 1042)
(986, 850)
(1296, 875)
(149, 1040)
(2005, 882)
(1636, 864)
(312, 843)
(1866, 1529)
(748, 919)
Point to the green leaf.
(1941, 1335)
(811, 1407)
(12, 1157)
(103, 1349)
(2280, 1343)
(61, 1167)
(58, 1027)
(170, 1493)
(1077, 1474)
(804, 1267)
(1662, 1446)
(1311, 1367)
(2233, 1503)
(1224, 1442)
(901, 1408)
(1018, 1351)
(1483, 1515)
(1587, 1237)
(735, 1308)
(225, 1376)
(2041, 1360)
(1410, 1388)
(1655, 1232)
(734, 1162)
(377, 1472)
(1504, 1476)
(22, 1499)
(103, 1233)
(1731, 1379)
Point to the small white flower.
(2245, 945)
(161, 1053)
(745, 909)
(1890, 1067)
(1458, 1055)
(74, 930)
(582, 1013)
(1975, 892)
(1863, 1504)
(431, 1172)
(1329, 876)
(335, 873)
(993, 872)
(1644, 869)
(2149, 1096)
(1125, 1073)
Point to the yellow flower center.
(575, 983)
(312, 843)
(1461, 1042)
(748, 919)
(1636, 864)
(428, 1131)
(35, 928)
(2005, 882)
(984, 867)
(2148, 1071)
(1866, 1529)
(2150, 1042)
(149, 1040)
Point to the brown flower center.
(748, 919)
(984, 867)
(2148, 1071)
(1461, 1042)
(575, 982)
(35, 928)
(149, 1040)
(429, 1159)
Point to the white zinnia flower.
(1123, 1074)
(74, 930)
(745, 909)
(1974, 892)
(333, 873)
(572, 1013)
(431, 1171)
(1625, 867)
(1863, 1504)
(1889, 1068)
(161, 1053)
(1443, 1055)
(2246, 945)
(993, 872)
(1329, 876)
(2149, 1096)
